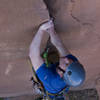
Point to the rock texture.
(87, 94)
(19, 20)
(76, 21)
(78, 24)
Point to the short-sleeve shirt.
(51, 80)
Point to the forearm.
(36, 43)
(59, 45)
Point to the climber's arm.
(59, 45)
(34, 52)
(56, 41)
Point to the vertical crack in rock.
(73, 2)
(50, 4)
(47, 3)
(51, 10)
(71, 11)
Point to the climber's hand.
(47, 26)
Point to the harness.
(38, 84)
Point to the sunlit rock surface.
(78, 24)
(76, 21)
(19, 20)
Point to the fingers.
(47, 25)
(50, 21)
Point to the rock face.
(19, 20)
(76, 21)
(78, 24)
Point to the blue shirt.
(51, 80)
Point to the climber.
(67, 73)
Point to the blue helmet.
(74, 74)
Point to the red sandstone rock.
(76, 21)
(78, 24)
(19, 20)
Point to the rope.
(32, 70)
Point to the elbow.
(31, 53)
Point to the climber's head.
(71, 71)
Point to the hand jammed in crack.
(47, 26)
